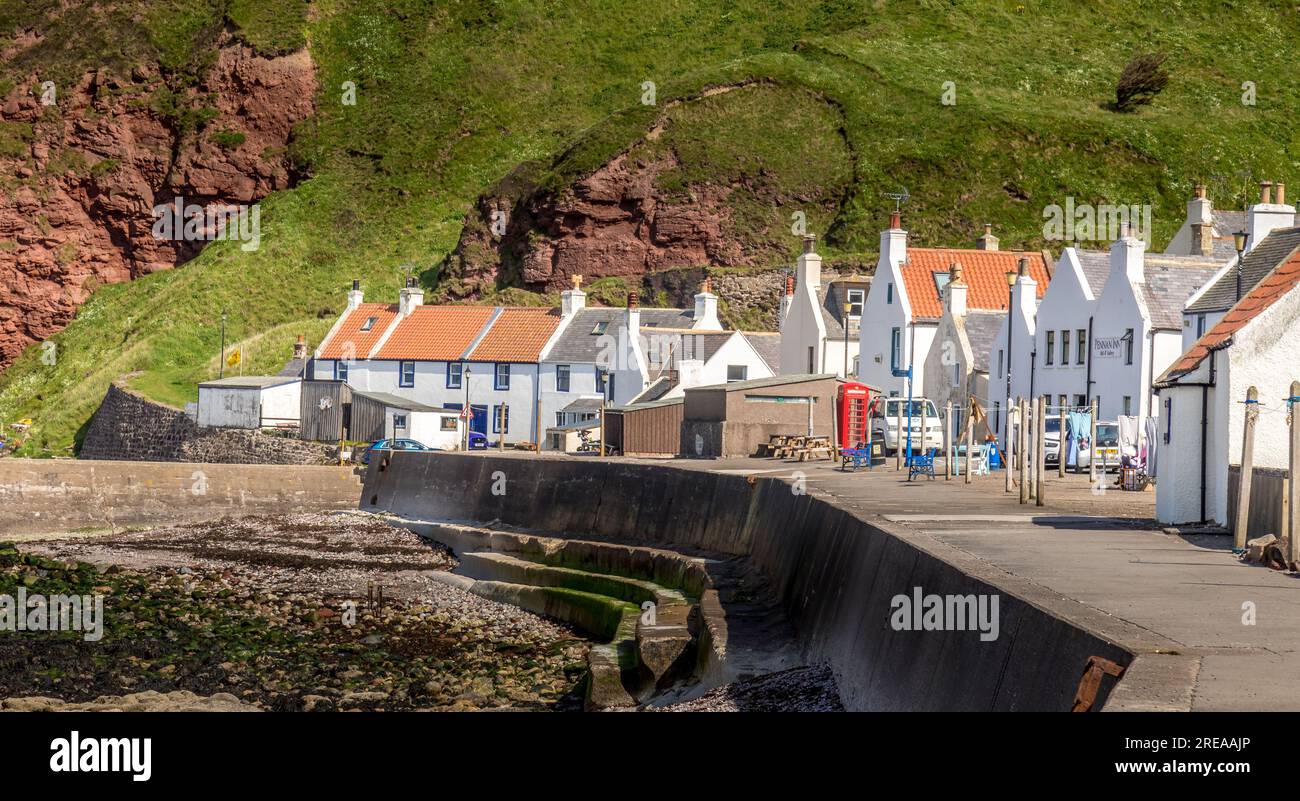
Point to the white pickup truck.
(927, 428)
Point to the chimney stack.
(1202, 239)
(706, 309)
(410, 297)
(355, 295)
(572, 300)
(955, 292)
(988, 241)
(893, 243)
(809, 267)
(1199, 191)
(300, 348)
(1267, 216)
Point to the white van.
(927, 428)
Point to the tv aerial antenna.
(899, 198)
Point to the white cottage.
(904, 305)
(1256, 343)
(958, 364)
(820, 319)
(1108, 325)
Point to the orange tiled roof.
(436, 333)
(984, 271)
(336, 347)
(518, 335)
(1282, 280)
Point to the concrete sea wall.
(42, 496)
(835, 573)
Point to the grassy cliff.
(452, 97)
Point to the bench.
(922, 465)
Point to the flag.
(233, 358)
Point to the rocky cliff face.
(85, 167)
(666, 201)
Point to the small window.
(1081, 346)
(562, 378)
(889, 293)
(340, 371)
(600, 379)
(940, 282)
(812, 366)
(1128, 346)
(856, 299)
(737, 372)
(999, 364)
(600, 327)
(1065, 346)
(895, 348)
(1128, 405)
(407, 378)
(369, 323)
(1051, 347)
(502, 377)
(501, 419)
(448, 423)
(1169, 419)
(1200, 326)
(1081, 402)
(399, 421)
(455, 372)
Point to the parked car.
(1108, 448)
(927, 428)
(477, 441)
(393, 445)
(1052, 440)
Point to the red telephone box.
(852, 412)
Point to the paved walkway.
(1179, 601)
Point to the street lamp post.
(467, 411)
(1239, 239)
(222, 366)
(848, 307)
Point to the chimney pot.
(809, 243)
(1265, 192)
(895, 220)
(632, 299)
(1281, 193)
(356, 284)
(706, 286)
(1023, 268)
(1199, 191)
(789, 285)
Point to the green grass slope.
(454, 96)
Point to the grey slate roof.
(773, 381)
(1227, 222)
(294, 368)
(1257, 264)
(250, 381)
(1170, 281)
(578, 343)
(768, 346)
(981, 329)
(584, 405)
(831, 296)
(398, 402)
(1096, 268)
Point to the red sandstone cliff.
(83, 176)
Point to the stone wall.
(50, 496)
(131, 428)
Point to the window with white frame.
(561, 378)
(407, 377)
(502, 379)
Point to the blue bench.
(922, 465)
(855, 457)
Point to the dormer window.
(856, 298)
(940, 281)
(369, 323)
(600, 327)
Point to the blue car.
(393, 445)
(477, 442)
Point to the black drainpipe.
(1033, 365)
(1087, 389)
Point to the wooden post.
(1022, 444)
(898, 444)
(947, 441)
(1061, 450)
(1241, 525)
(1031, 446)
(1092, 445)
(1040, 451)
(1008, 458)
(602, 429)
(970, 439)
(1293, 490)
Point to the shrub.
(1143, 78)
